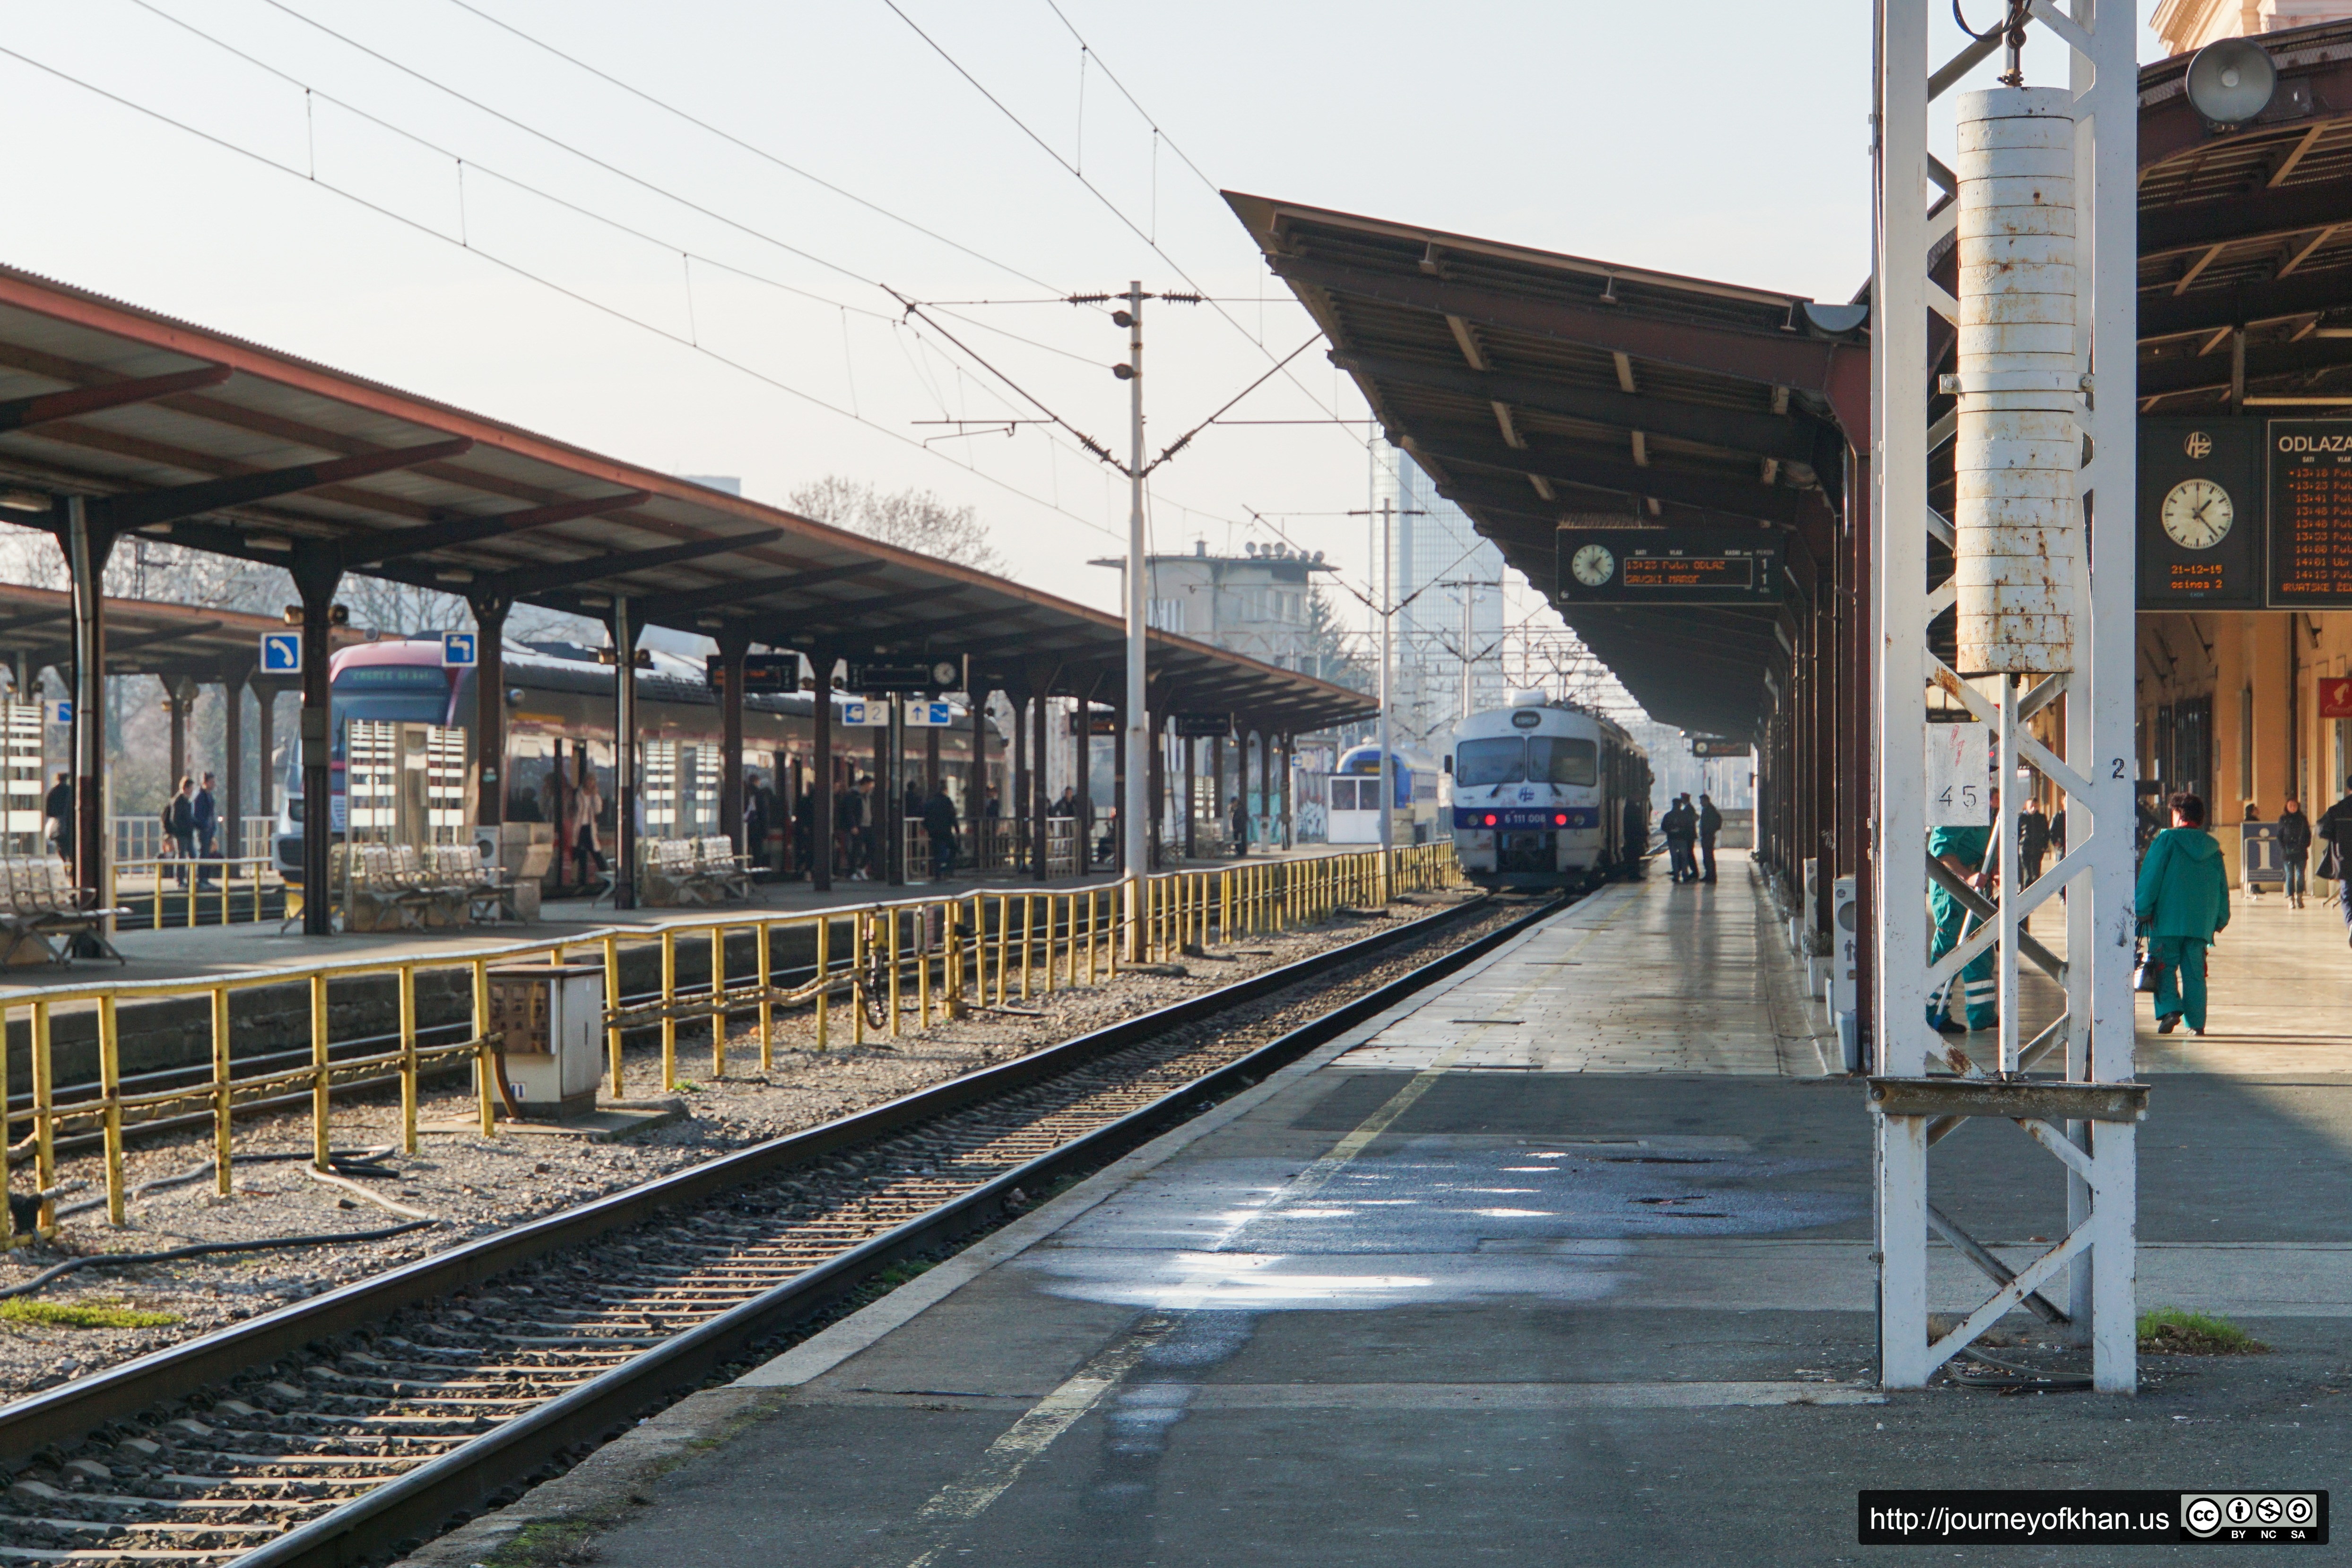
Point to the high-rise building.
(1449, 583)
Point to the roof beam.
(2264, 215)
(2185, 373)
(140, 509)
(827, 615)
(524, 582)
(392, 544)
(37, 618)
(757, 588)
(137, 640)
(1741, 498)
(1787, 359)
(17, 414)
(1786, 437)
(2215, 310)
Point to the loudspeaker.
(2230, 80)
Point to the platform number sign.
(458, 650)
(281, 653)
(1960, 775)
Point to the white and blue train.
(1355, 796)
(1547, 796)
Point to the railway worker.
(2294, 851)
(940, 827)
(1967, 854)
(57, 809)
(1710, 824)
(2182, 900)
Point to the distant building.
(2186, 25)
(1440, 559)
(1255, 603)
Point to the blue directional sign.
(61, 713)
(281, 653)
(457, 650)
(928, 716)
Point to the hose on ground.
(202, 1250)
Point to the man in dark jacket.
(2294, 851)
(2032, 840)
(58, 808)
(2334, 829)
(180, 823)
(1635, 836)
(207, 809)
(849, 821)
(2183, 898)
(1680, 824)
(939, 828)
(1710, 823)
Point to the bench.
(690, 871)
(722, 869)
(395, 887)
(42, 912)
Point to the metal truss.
(2088, 1131)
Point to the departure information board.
(2310, 475)
(2201, 527)
(1669, 566)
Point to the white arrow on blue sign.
(928, 716)
(281, 653)
(61, 713)
(457, 649)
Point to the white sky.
(1718, 138)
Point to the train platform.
(1568, 1256)
(199, 952)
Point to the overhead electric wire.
(1095, 191)
(756, 151)
(1184, 440)
(525, 273)
(1082, 439)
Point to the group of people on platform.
(1690, 833)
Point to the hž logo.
(2198, 445)
(2206, 1514)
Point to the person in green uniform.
(1963, 851)
(2183, 899)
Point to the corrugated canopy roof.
(215, 443)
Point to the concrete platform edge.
(548, 1523)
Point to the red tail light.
(1490, 818)
(1560, 817)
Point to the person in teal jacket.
(2183, 899)
(1964, 852)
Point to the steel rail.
(524, 1444)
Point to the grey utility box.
(553, 1016)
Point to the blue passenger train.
(1546, 795)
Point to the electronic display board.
(2200, 514)
(1669, 566)
(2310, 473)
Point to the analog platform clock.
(1593, 565)
(2197, 514)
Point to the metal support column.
(87, 544)
(317, 573)
(624, 755)
(734, 642)
(235, 674)
(490, 716)
(2035, 623)
(820, 868)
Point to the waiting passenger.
(2334, 829)
(1680, 824)
(1710, 824)
(2294, 851)
(940, 827)
(57, 814)
(2183, 899)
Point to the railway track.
(347, 1427)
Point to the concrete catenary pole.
(1135, 805)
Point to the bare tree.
(911, 519)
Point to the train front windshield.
(1560, 759)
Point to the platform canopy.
(144, 637)
(186, 435)
(1543, 391)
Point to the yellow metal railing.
(173, 892)
(933, 957)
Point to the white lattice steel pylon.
(2095, 1153)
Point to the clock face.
(2197, 514)
(1592, 565)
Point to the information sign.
(1717, 746)
(458, 650)
(919, 675)
(1669, 566)
(929, 715)
(1101, 721)
(860, 713)
(2310, 477)
(1959, 776)
(1204, 726)
(61, 712)
(2200, 514)
(281, 653)
(761, 671)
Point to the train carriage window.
(1478, 764)
(1563, 759)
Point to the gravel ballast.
(475, 1184)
